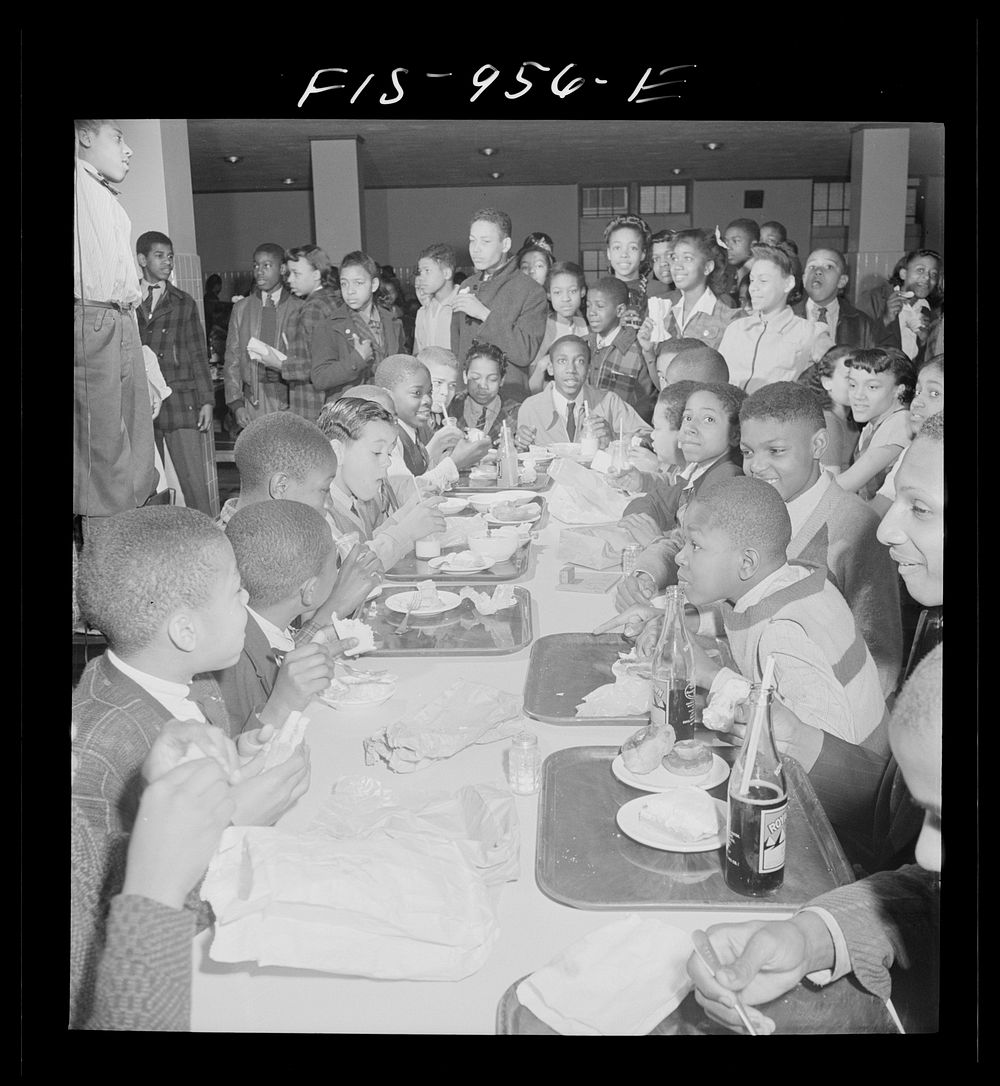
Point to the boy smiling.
(557, 413)
(782, 439)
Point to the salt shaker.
(524, 764)
(630, 558)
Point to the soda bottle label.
(673, 705)
(772, 839)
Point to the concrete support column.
(338, 196)
(157, 194)
(875, 241)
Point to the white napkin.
(621, 980)
(264, 352)
(282, 745)
(721, 708)
(658, 311)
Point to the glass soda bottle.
(673, 700)
(508, 458)
(755, 841)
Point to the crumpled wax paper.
(629, 695)
(621, 980)
(487, 604)
(465, 712)
(371, 889)
(581, 496)
(720, 711)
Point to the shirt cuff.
(841, 955)
(708, 622)
(723, 675)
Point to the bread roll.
(689, 759)
(643, 751)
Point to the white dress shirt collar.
(172, 696)
(276, 638)
(781, 578)
(705, 304)
(603, 342)
(692, 472)
(560, 403)
(800, 509)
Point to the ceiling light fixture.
(487, 151)
(232, 159)
(496, 175)
(712, 146)
(676, 170)
(288, 180)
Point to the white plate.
(662, 780)
(629, 824)
(443, 563)
(400, 602)
(452, 505)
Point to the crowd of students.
(787, 444)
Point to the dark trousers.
(112, 419)
(192, 454)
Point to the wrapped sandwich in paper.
(465, 713)
(581, 496)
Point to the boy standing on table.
(498, 305)
(559, 412)
(169, 325)
(112, 421)
(253, 389)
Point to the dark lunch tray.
(462, 631)
(841, 1007)
(582, 858)
(412, 568)
(465, 485)
(563, 668)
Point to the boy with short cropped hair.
(288, 566)
(281, 455)
(161, 584)
(170, 326)
(782, 438)
(436, 286)
(772, 344)
(498, 305)
(690, 360)
(616, 358)
(773, 233)
(253, 389)
(558, 412)
(824, 279)
(446, 378)
(736, 537)
(408, 382)
(739, 238)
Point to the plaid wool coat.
(175, 335)
(302, 340)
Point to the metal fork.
(401, 628)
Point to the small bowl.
(498, 547)
(450, 506)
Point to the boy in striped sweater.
(736, 535)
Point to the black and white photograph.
(509, 548)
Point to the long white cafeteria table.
(245, 998)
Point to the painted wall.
(787, 201)
(230, 224)
(401, 222)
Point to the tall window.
(912, 192)
(831, 203)
(603, 200)
(594, 263)
(662, 199)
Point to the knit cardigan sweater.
(840, 534)
(824, 672)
